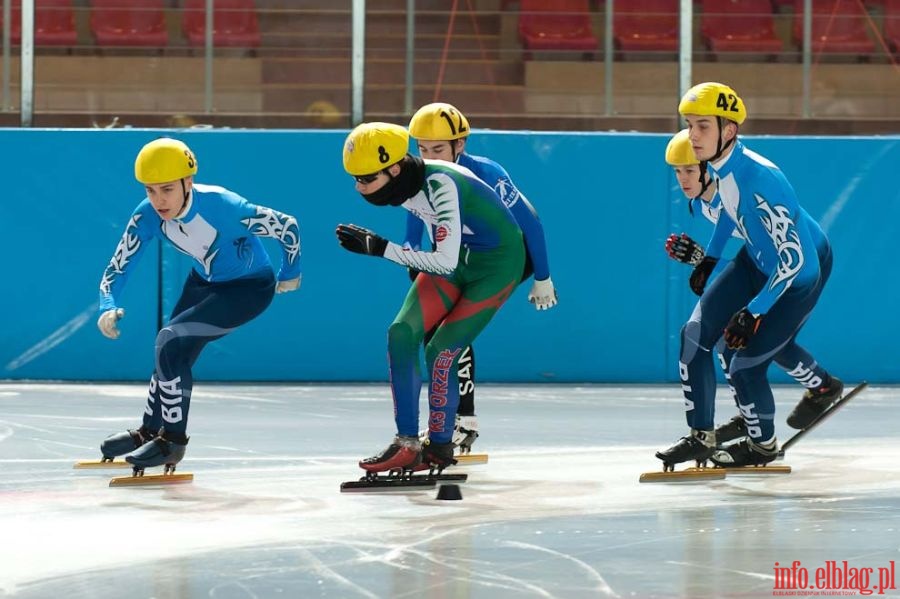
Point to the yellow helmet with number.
(372, 147)
(679, 151)
(164, 160)
(713, 99)
(438, 122)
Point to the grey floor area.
(557, 512)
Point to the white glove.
(543, 294)
(108, 321)
(289, 285)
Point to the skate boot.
(436, 456)
(465, 433)
(746, 453)
(122, 443)
(815, 402)
(697, 446)
(404, 453)
(166, 449)
(731, 430)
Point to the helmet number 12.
(455, 128)
(722, 102)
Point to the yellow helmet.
(713, 99)
(163, 160)
(438, 122)
(679, 151)
(373, 147)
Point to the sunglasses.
(366, 179)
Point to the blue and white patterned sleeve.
(142, 227)
(266, 222)
(797, 260)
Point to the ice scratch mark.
(602, 585)
(705, 567)
(54, 339)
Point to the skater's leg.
(429, 299)
(728, 293)
(222, 307)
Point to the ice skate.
(823, 416)
(815, 402)
(745, 453)
(465, 432)
(392, 469)
(698, 446)
(403, 454)
(735, 428)
(122, 443)
(436, 456)
(116, 445)
(165, 450)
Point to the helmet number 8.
(722, 102)
(455, 128)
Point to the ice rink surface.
(557, 512)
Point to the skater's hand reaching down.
(108, 322)
(543, 294)
(741, 327)
(360, 240)
(287, 286)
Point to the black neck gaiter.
(402, 187)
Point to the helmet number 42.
(723, 102)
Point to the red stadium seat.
(739, 26)
(556, 25)
(54, 23)
(129, 23)
(235, 23)
(892, 24)
(838, 26)
(646, 26)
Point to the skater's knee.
(171, 346)
(691, 341)
(401, 336)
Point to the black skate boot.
(465, 432)
(731, 430)
(815, 402)
(436, 456)
(122, 443)
(697, 446)
(166, 449)
(404, 453)
(746, 453)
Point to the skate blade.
(756, 470)
(151, 479)
(688, 475)
(100, 464)
(471, 459)
(381, 484)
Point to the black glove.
(413, 273)
(361, 241)
(684, 249)
(741, 327)
(701, 274)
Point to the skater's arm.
(444, 196)
(141, 228)
(267, 222)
